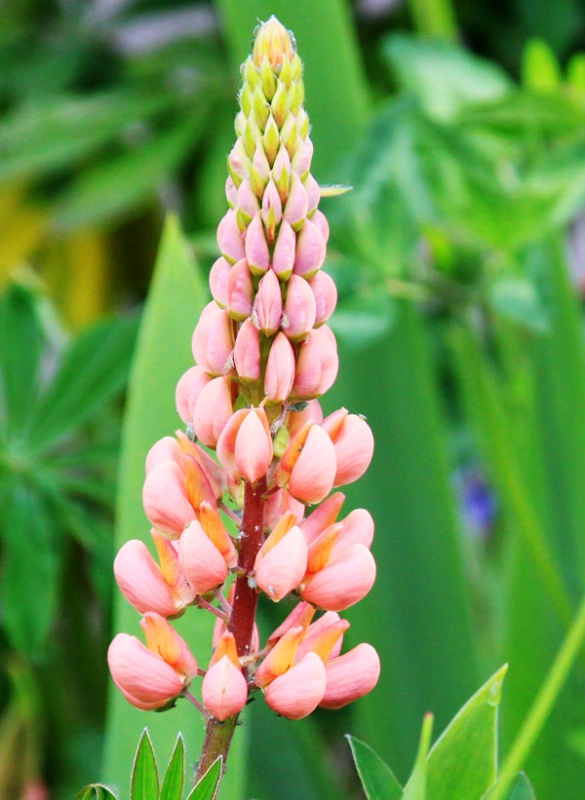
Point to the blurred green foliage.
(459, 258)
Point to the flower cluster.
(263, 354)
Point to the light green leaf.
(94, 369)
(463, 761)
(443, 75)
(111, 189)
(96, 791)
(519, 789)
(172, 785)
(207, 786)
(377, 778)
(540, 68)
(144, 782)
(516, 298)
(416, 787)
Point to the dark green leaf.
(95, 792)
(21, 345)
(30, 568)
(111, 189)
(377, 779)
(519, 789)
(94, 369)
(172, 785)
(144, 782)
(207, 786)
(463, 761)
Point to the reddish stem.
(218, 735)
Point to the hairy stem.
(218, 735)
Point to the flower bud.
(165, 501)
(299, 309)
(297, 692)
(218, 281)
(273, 43)
(165, 449)
(325, 292)
(189, 387)
(247, 202)
(310, 252)
(343, 582)
(281, 173)
(283, 258)
(297, 204)
(308, 466)
(313, 191)
(229, 237)
(240, 291)
(257, 251)
(231, 191)
(247, 357)
(320, 220)
(279, 503)
(301, 160)
(213, 342)
(238, 163)
(322, 517)
(212, 410)
(282, 560)
(354, 445)
(268, 304)
(224, 691)
(317, 365)
(245, 444)
(201, 561)
(280, 370)
(271, 209)
(351, 676)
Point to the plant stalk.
(218, 735)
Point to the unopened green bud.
(279, 104)
(268, 80)
(294, 98)
(281, 441)
(257, 182)
(271, 140)
(284, 74)
(303, 123)
(288, 134)
(252, 136)
(296, 68)
(240, 123)
(246, 99)
(250, 73)
(243, 219)
(261, 107)
(273, 44)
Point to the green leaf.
(21, 345)
(172, 785)
(30, 585)
(96, 791)
(362, 319)
(463, 761)
(144, 782)
(443, 75)
(377, 779)
(111, 189)
(519, 789)
(517, 299)
(416, 788)
(45, 137)
(207, 786)
(93, 370)
(540, 68)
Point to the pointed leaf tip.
(378, 781)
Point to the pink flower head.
(282, 560)
(148, 586)
(317, 365)
(150, 677)
(354, 445)
(245, 445)
(224, 691)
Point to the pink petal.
(298, 692)
(224, 691)
(351, 676)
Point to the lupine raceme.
(263, 354)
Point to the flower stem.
(218, 735)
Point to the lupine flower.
(264, 354)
